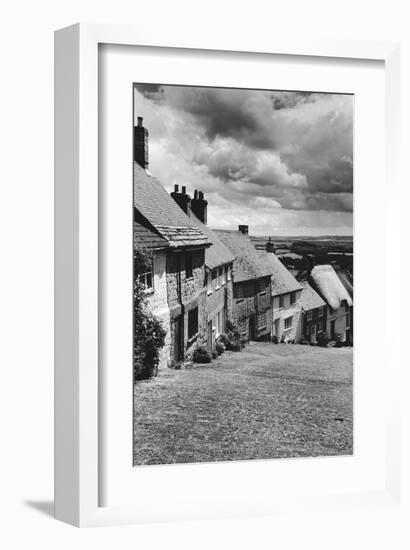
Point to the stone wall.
(185, 293)
(251, 298)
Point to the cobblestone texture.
(270, 401)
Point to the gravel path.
(270, 401)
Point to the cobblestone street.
(270, 401)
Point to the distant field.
(325, 244)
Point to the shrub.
(322, 339)
(235, 341)
(222, 339)
(149, 334)
(215, 354)
(275, 339)
(220, 347)
(201, 355)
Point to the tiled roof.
(161, 211)
(148, 238)
(282, 280)
(329, 286)
(248, 264)
(217, 254)
(310, 299)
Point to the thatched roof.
(325, 280)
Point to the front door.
(252, 327)
(332, 330)
(313, 334)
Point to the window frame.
(145, 288)
(286, 320)
(191, 336)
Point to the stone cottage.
(218, 265)
(286, 293)
(314, 313)
(324, 279)
(175, 287)
(251, 306)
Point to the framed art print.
(214, 350)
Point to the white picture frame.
(77, 405)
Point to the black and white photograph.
(243, 274)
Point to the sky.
(278, 161)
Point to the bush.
(322, 339)
(149, 335)
(201, 355)
(215, 354)
(222, 339)
(220, 347)
(235, 341)
(275, 339)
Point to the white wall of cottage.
(158, 303)
(282, 313)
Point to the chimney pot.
(244, 229)
(140, 121)
(201, 195)
(183, 190)
(195, 194)
(176, 188)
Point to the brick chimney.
(243, 229)
(141, 144)
(199, 206)
(182, 199)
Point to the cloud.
(290, 151)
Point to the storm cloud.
(274, 151)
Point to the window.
(262, 320)
(309, 315)
(261, 286)
(281, 301)
(146, 280)
(319, 326)
(347, 320)
(192, 322)
(292, 297)
(321, 311)
(188, 265)
(221, 278)
(346, 307)
(228, 273)
(288, 323)
(308, 331)
(239, 292)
